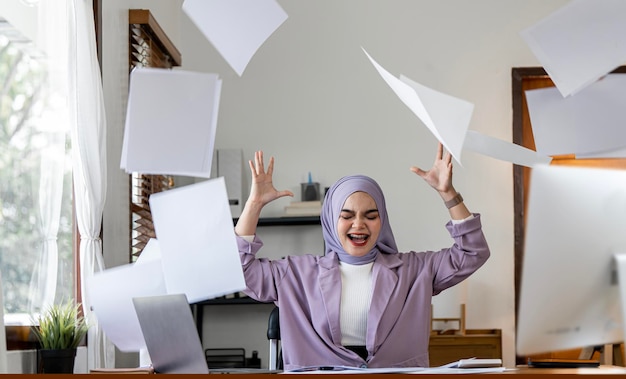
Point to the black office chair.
(273, 335)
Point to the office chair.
(273, 335)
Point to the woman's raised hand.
(440, 175)
(262, 190)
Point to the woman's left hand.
(440, 175)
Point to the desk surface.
(602, 370)
(519, 370)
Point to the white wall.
(311, 98)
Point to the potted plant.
(59, 330)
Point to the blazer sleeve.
(261, 274)
(468, 253)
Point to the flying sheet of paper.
(236, 28)
(171, 121)
(195, 230)
(112, 292)
(445, 116)
(580, 42)
(503, 150)
(590, 121)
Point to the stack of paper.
(304, 208)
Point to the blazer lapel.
(330, 286)
(384, 280)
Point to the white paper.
(580, 42)
(447, 369)
(236, 28)
(591, 121)
(445, 116)
(503, 150)
(171, 122)
(112, 291)
(195, 230)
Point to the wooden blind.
(149, 46)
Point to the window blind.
(149, 46)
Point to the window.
(36, 214)
(148, 47)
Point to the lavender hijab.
(331, 209)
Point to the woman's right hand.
(263, 191)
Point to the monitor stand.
(620, 263)
(610, 354)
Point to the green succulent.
(61, 326)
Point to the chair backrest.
(273, 335)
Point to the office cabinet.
(451, 346)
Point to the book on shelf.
(304, 208)
(306, 204)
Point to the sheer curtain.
(53, 122)
(3, 336)
(88, 128)
(43, 283)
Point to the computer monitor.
(569, 296)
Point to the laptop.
(172, 339)
(170, 334)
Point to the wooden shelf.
(286, 221)
(236, 300)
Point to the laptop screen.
(170, 334)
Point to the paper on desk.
(392, 370)
(453, 370)
(195, 230)
(236, 28)
(503, 150)
(580, 42)
(445, 116)
(590, 121)
(112, 291)
(171, 121)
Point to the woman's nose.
(358, 221)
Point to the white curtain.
(3, 338)
(53, 122)
(43, 282)
(88, 129)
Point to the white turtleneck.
(356, 296)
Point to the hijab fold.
(333, 203)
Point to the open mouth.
(358, 239)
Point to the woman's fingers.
(270, 167)
(258, 156)
(439, 151)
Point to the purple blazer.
(307, 289)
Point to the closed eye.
(347, 214)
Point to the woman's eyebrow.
(366, 212)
